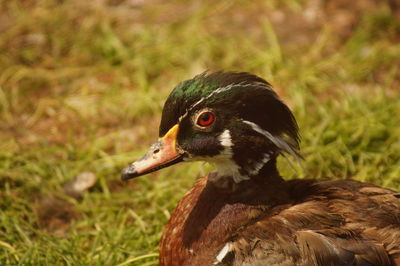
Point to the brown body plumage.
(268, 221)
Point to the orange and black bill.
(161, 154)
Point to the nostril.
(156, 151)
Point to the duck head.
(233, 120)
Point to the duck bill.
(161, 154)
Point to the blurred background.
(82, 85)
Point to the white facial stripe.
(217, 91)
(222, 254)
(278, 141)
(259, 165)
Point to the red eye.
(205, 119)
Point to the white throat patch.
(227, 167)
(224, 163)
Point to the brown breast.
(211, 212)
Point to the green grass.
(82, 87)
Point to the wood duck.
(244, 213)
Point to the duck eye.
(205, 119)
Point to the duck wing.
(329, 223)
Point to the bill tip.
(129, 172)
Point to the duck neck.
(267, 178)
